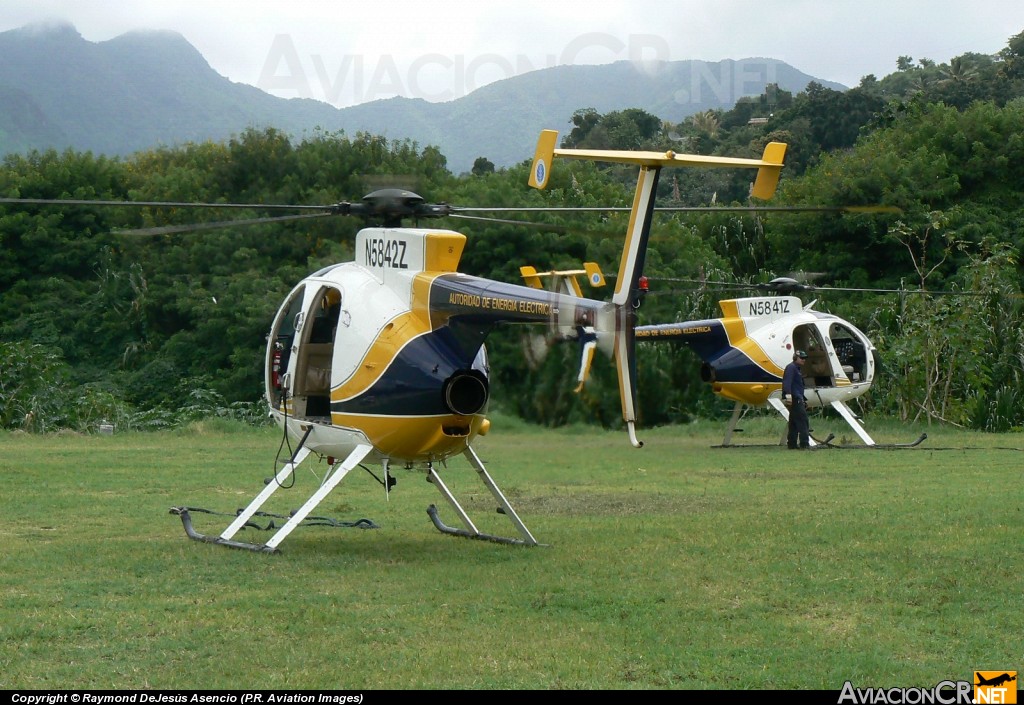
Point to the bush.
(33, 380)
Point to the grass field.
(676, 566)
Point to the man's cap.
(800, 353)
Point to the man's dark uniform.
(793, 388)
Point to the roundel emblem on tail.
(540, 172)
(595, 279)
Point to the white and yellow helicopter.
(382, 360)
(745, 352)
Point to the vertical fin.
(625, 366)
(768, 175)
(530, 276)
(627, 296)
(542, 159)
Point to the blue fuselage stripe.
(710, 341)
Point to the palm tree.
(958, 71)
(705, 122)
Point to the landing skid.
(776, 404)
(882, 446)
(852, 420)
(335, 476)
(471, 531)
(848, 415)
(186, 520)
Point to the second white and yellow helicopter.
(745, 352)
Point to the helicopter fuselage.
(745, 352)
(389, 349)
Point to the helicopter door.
(311, 388)
(851, 352)
(817, 369)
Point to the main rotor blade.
(537, 209)
(154, 204)
(898, 291)
(783, 209)
(510, 221)
(453, 210)
(767, 286)
(574, 229)
(213, 225)
(689, 209)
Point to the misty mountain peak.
(50, 28)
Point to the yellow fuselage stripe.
(746, 392)
(736, 330)
(395, 335)
(414, 437)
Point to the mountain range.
(145, 89)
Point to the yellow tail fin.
(542, 158)
(768, 174)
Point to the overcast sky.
(345, 52)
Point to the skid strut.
(338, 473)
(471, 531)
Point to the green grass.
(676, 566)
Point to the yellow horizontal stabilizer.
(594, 275)
(768, 166)
(673, 159)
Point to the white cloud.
(348, 52)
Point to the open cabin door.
(300, 356)
(836, 354)
(817, 370)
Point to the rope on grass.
(308, 521)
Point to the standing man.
(793, 390)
